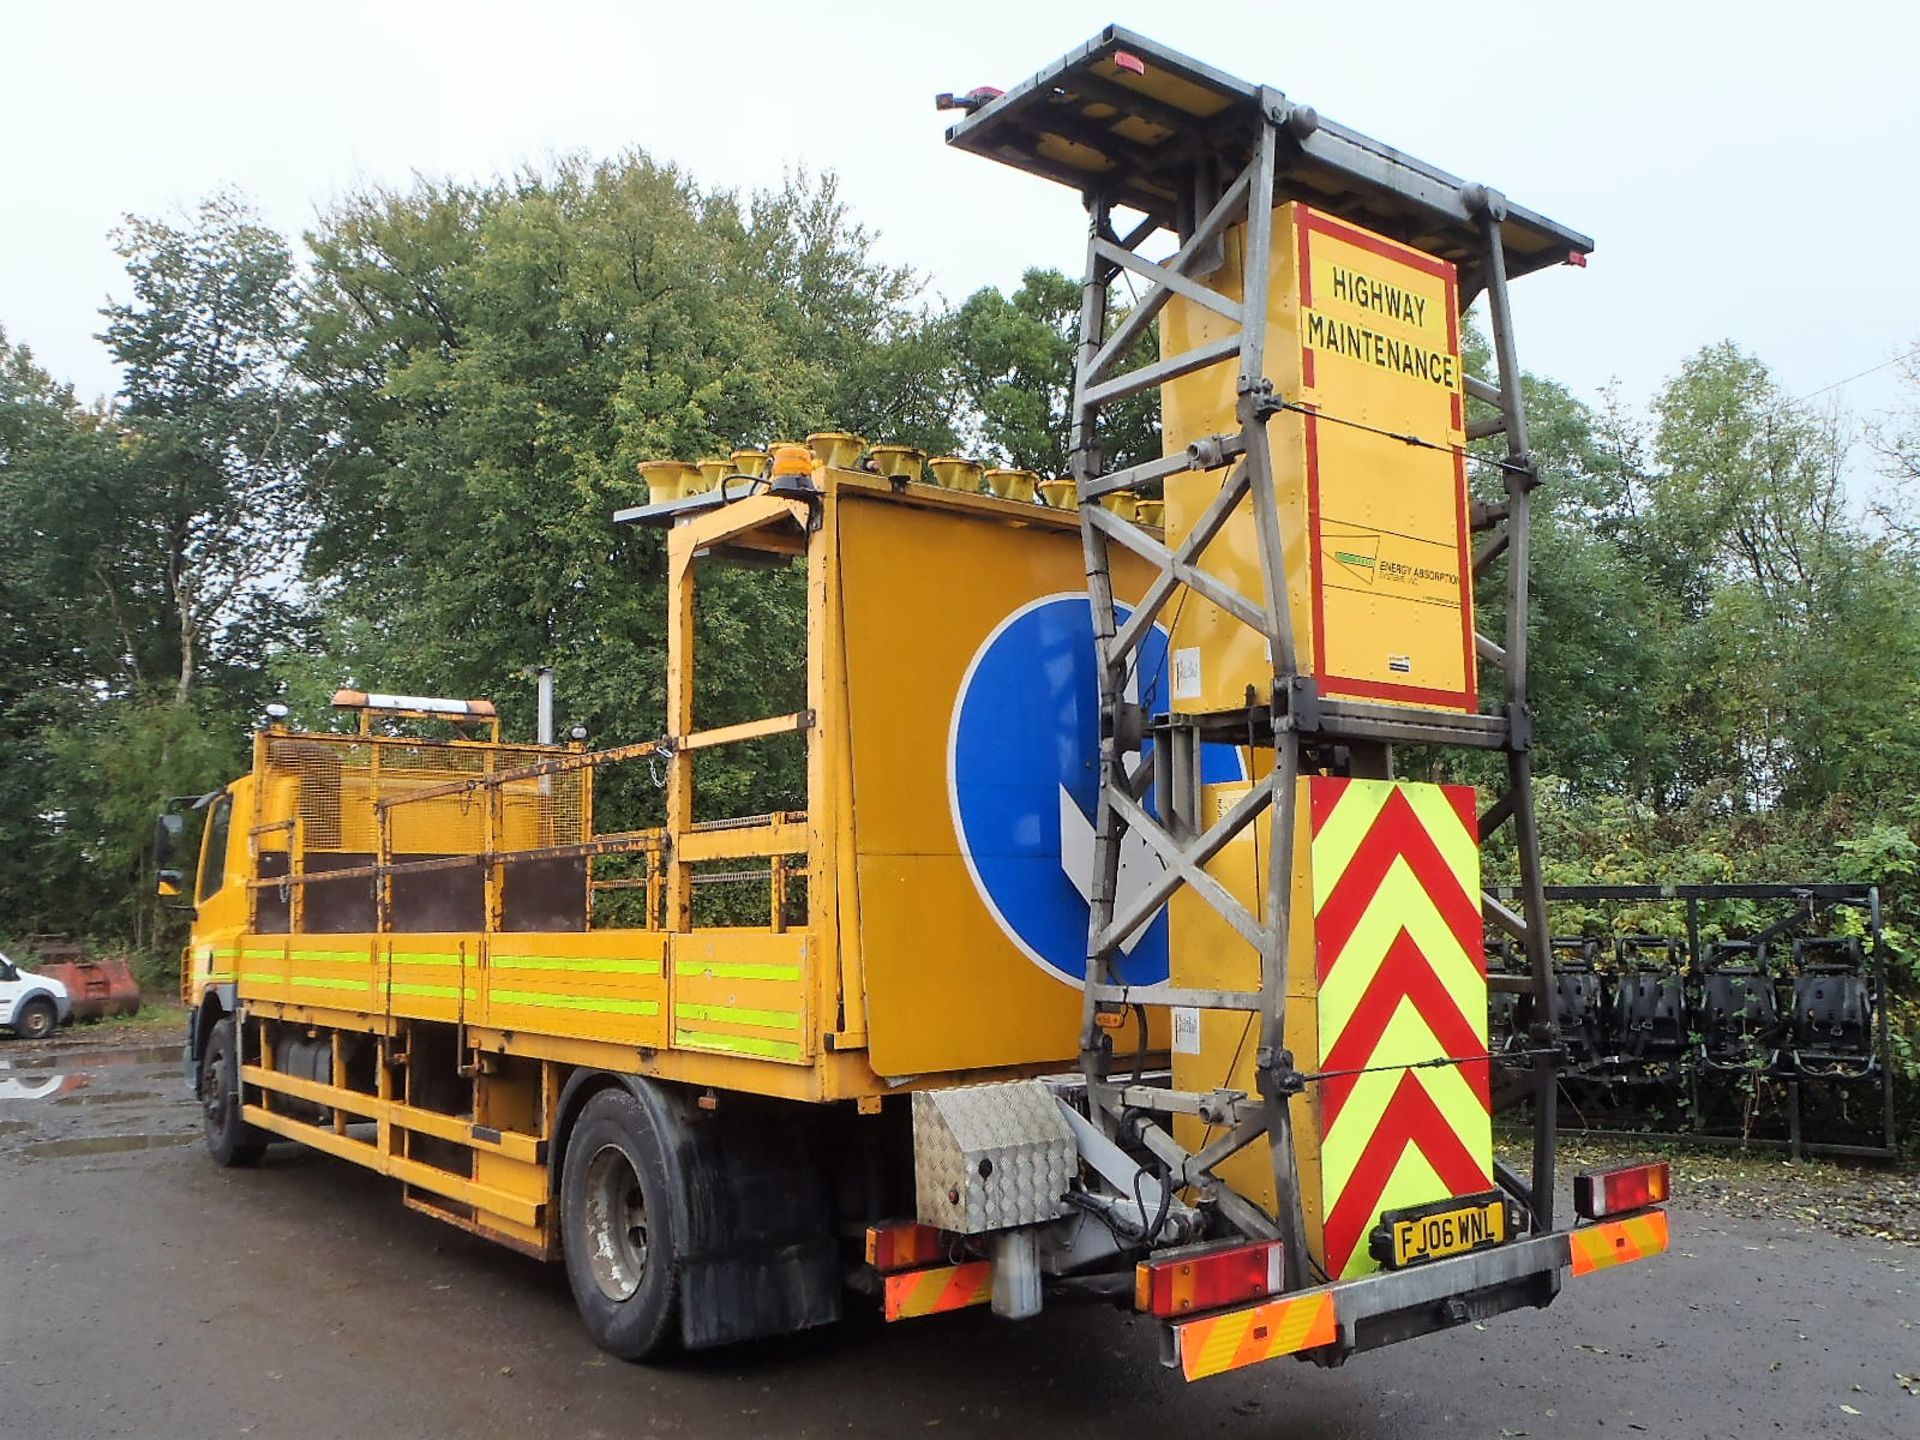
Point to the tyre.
(36, 1019)
(230, 1140)
(617, 1226)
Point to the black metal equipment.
(1777, 1037)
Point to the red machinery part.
(98, 987)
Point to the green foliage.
(1013, 362)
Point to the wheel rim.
(37, 1023)
(616, 1224)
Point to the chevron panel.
(1402, 979)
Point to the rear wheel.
(230, 1140)
(617, 1227)
(36, 1019)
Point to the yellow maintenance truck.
(1107, 956)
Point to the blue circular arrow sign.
(1023, 778)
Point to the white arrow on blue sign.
(1023, 778)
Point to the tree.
(1777, 586)
(216, 432)
(1013, 363)
(496, 360)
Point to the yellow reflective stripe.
(435, 992)
(1448, 832)
(582, 964)
(739, 1015)
(739, 1044)
(326, 982)
(731, 971)
(577, 1002)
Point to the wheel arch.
(33, 996)
(581, 1087)
(215, 1005)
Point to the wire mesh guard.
(359, 833)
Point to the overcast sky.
(1748, 170)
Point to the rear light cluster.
(1600, 1193)
(902, 1245)
(1206, 1277)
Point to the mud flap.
(758, 1256)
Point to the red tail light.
(903, 1245)
(1600, 1193)
(1177, 1282)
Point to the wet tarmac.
(143, 1292)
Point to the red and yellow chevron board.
(1402, 974)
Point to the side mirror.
(167, 829)
(168, 883)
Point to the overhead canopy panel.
(1148, 128)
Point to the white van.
(31, 1005)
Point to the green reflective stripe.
(327, 982)
(560, 962)
(721, 971)
(739, 1015)
(739, 1044)
(576, 1002)
(425, 957)
(435, 992)
(254, 977)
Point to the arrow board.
(1023, 780)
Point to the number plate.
(1433, 1232)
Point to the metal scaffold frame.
(1224, 174)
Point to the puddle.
(101, 1145)
(43, 1077)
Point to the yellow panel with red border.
(1363, 345)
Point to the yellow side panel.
(334, 972)
(595, 985)
(429, 977)
(948, 987)
(743, 993)
(1364, 346)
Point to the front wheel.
(230, 1140)
(617, 1227)
(36, 1019)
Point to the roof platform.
(1147, 128)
